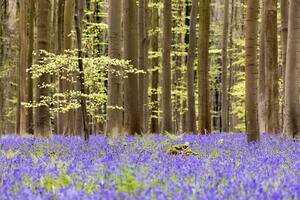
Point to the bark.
(261, 81)
(42, 115)
(251, 71)
(291, 119)
(114, 114)
(60, 46)
(166, 68)
(21, 127)
(69, 117)
(30, 125)
(271, 66)
(132, 123)
(154, 125)
(204, 123)
(191, 118)
(224, 107)
(284, 9)
(81, 72)
(142, 59)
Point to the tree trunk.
(42, 115)
(142, 59)
(191, 118)
(81, 72)
(166, 68)
(30, 125)
(154, 125)
(291, 121)
(261, 81)
(224, 114)
(132, 124)
(69, 117)
(114, 102)
(284, 8)
(204, 123)
(22, 66)
(60, 46)
(271, 66)
(251, 71)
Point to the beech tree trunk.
(271, 66)
(21, 127)
(224, 111)
(292, 118)
(42, 115)
(262, 71)
(251, 71)
(204, 122)
(154, 125)
(191, 118)
(132, 123)
(166, 68)
(114, 102)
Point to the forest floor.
(220, 166)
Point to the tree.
(261, 81)
(69, 117)
(224, 68)
(81, 72)
(154, 125)
(191, 118)
(142, 59)
(30, 125)
(204, 124)
(291, 119)
(21, 126)
(114, 101)
(271, 66)
(251, 71)
(42, 115)
(166, 68)
(132, 124)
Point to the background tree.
(251, 71)
(114, 102)
(42, 115)
(204, 123)
(191, 118)
(132, 124)
(291, 123)
(166, 67)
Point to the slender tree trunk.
(60, 46)
(291, 121)
(166, 69)
(30, 125)
(132, 124)
(114, 105)
(224, 68)
(69, 117)
(271, 65)
(81, 72)
(261, 81)
(42, 115)
(191, 118)
(154, 125)
(284, 8)
(204, 123)
(142, 58)
(251, 71)
(22, 66)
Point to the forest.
(149, 99)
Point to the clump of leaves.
(183, 149)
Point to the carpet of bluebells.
(223, 166)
